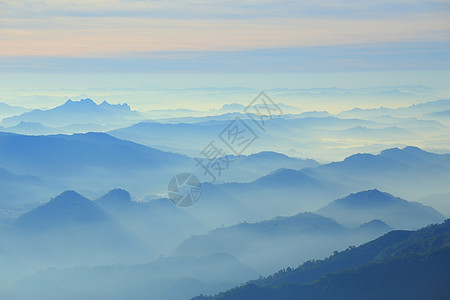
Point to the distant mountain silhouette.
(442, 116)
(19, 193)
(302, 234)
(76, 112)
(245, 168)
(191, 139)
(189, 115)
(409, 171)
(168, 278)
(181, 137)
(392, 133)
(444, 113)
(8, 110)
(275, 158)
(398, 265)
(34, 128)
(67, 209)
(364, 206)
(279, 193)
(117, 198)
(304, 135)
(420, 109)
(68, 230)
(286, 177)
(416, 156)
(79, 161)
(314, 114)
(158, 220)
(374, 226)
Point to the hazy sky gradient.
(146, 52)
(175, 31)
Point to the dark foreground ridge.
(398, 265)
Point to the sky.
(235, 39)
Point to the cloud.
(185, 30)
(219, 8)
(106, 37)
(367, 57)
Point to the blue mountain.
(286, 238)
(80, 161)
(65, 210)
(398, 265)
(369, 205)
(181, 137)
(19, 193)
(68, 230)
(8, 110)
(409, 171)
(168, 278)
(77, 112)
(279, 193)
(157, 220)
(34, 128)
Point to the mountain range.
(80, 161)
(398, 265)
(8, 110)
(366, 215)
(300, 135)
(66, 231)
(170, 278)
(297, 135)
(20, 193)
(418, 110)
(156, 220)
(409, 172)
(70, 230)
(78, 112)
(85, 213)
(373, 204)
(290, 239)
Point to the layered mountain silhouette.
(8, 110)
(76, 112)
(80, 161)
(168, 278)
(245, 168)
(301, 236)
(69, 153)
(34, 128)
(398, 265)
(281, 192)
(67, 231)
(65, 210)
(421, 109)
(157, 220)
(363, 133)
(368, 205)
(410, 171)
(20, 193)
(180, 137)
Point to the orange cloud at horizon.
(110, 37)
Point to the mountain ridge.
(413, 255)
(74, 112)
